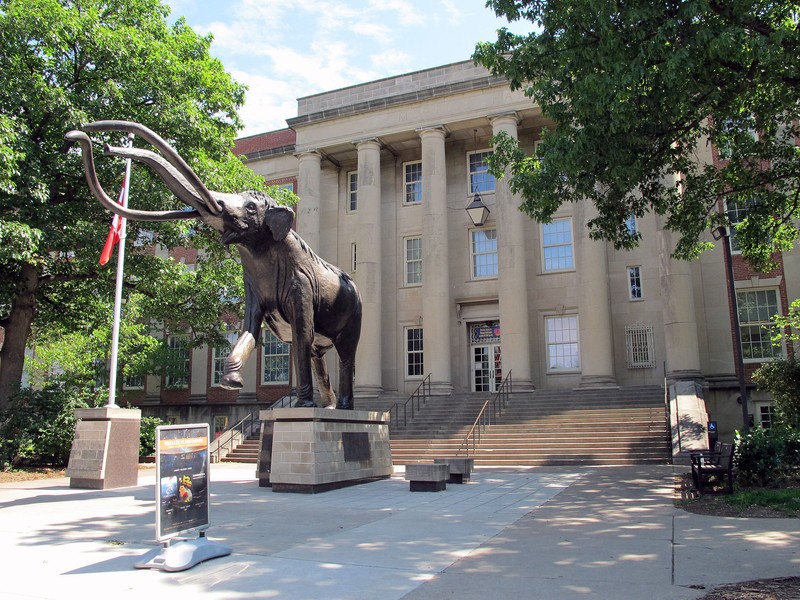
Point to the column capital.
(367, 142)
(510, 118)
(437, 130)
(310, 153)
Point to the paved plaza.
(513, 533)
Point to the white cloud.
(378, 31)
(391, 61)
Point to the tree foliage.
(636, 90)
(64, 63)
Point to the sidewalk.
(527, 533)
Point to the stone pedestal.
(320, 449)
(105, 449)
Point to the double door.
(487, 374)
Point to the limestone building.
(385, 171)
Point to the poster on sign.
(182, 468)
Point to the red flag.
(114, 231)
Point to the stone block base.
(427, 477)
(105, 449)
(460, 468)
(318, 449)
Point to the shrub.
(767, 457)
(38, 426)
(147, 435)
(781, 378)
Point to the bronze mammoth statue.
(302, 299)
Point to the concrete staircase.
(545, 428)
(246, 452)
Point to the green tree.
(636, 90)
(64, 63)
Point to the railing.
(234, 436)
(491, 409)
(417, 399)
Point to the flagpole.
(112, 375)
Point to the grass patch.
(784, 500)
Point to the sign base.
(182, 555)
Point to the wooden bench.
(709, 464)
(426, 477)
(460, 467)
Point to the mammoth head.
(238, 217)
(248, 216)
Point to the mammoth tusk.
(169, 174)
(173, 157)
(94, 185)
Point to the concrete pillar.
(596, 338)
(512, 274)
(369, 380)
(680, 324)
(435, 263)
(308, 190)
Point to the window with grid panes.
(352, 191)
(557, 245)
(413, 182)
(756, 308)
(480, 180)
(275, 363)
(484, 253)
(413, 260)
(414, 356)
(562, 343)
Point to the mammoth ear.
(279, 219)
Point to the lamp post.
(477, 210)
(721, 233)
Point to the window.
(414, 362)
(630, 225)
(480, 180)
(353, 257)
(766, 415)
(634, 283)
(413, 260)
(484, 253)
(562, 343)
(413, 182)
(352, 191)
(220, 425)
(557, 245)
(737, 211)
(276, 359)
(639, 346)
(756, 308)
(133, 382)
(177, 368)
(218, 356)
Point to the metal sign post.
(182, 499)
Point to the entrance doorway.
(486, 356)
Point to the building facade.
(384, 172)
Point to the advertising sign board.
(182, 470)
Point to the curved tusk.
(169, 152)
(94, 185)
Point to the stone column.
(596, 339)
(436, 304)
(308, 190)
(680, 324)
(512, 274)
(369, 381)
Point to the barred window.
(639, 345)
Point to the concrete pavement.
(523, 533)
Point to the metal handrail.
(473, 437)
(229, 439)
(417, 399)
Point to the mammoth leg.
(323, 381)
(303, 336)
(346, 347)
(232, 378)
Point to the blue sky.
(286, 49)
